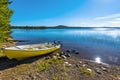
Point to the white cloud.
(108, 17)
(118, 19)
(114, 22)
(109, 20)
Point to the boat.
(32, 50)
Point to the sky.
(83, 13)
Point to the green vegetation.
(64, 75)
(5, 14)
(28, 27)
(85, 71)
(63, 68)
(56, 77)
(39, 27)
(44, 65)
(22, 69)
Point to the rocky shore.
(57, 67)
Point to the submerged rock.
(67, 55)
(76, 52)
(68, 51)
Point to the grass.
(66, 77)
(63, 68)
(37, 67)
(56, 77)
(22, 69)
(42, 66)
(45, 64)
(2, 53)
(86, 71)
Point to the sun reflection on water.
(98, 60)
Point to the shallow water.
(100, 44)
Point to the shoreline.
(53, 68)
(56, 67)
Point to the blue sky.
(66, 12)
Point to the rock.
(47, 57)
(68, 51)
(62, 53)
(118, 77)
(77, 65)
(34, 77)
(0, 72)
(26, 78)
(98, 71)
(57, 54)
(67, 55)
(66, 62)
(80, 62)
(59, 57)
(89, 69)
(76, 52)
(63, 56)
(84, 65)
(54, 57)
(69, 64)
(104, 69)
(73, 50)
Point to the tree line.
(5, 14)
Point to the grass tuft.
(85, 71)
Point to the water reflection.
(113, 59)
(101, 29)
(98, 60)
(89, 42)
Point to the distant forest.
(55, 27)
(38, 27)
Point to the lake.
(99, 44)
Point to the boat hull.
(22, 54)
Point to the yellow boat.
(26, 51)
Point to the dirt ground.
(71, 68)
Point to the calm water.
(100, 44)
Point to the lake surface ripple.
(93, 43)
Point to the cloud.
(108, 17)
(109, 20)
(114, 22)
(118, 19)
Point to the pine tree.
(5, 14)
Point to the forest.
(5, 15)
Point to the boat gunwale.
(31, 50)
(10, 48)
